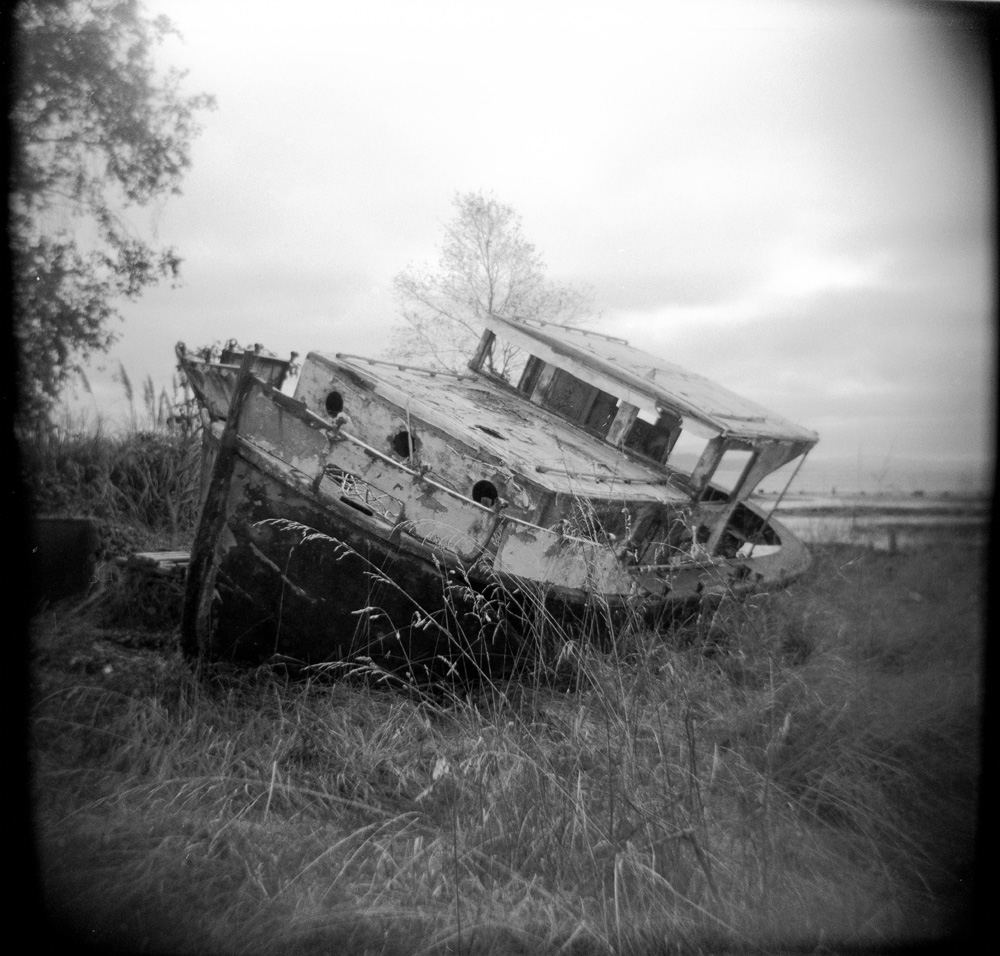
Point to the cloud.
(792, 198)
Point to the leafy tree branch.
(99, 133)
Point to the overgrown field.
(797, 769)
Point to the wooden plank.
(195, 621)
(158, 557)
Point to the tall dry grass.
(797, 769)
(139, 481)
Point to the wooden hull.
(316, 548)
(316, 585)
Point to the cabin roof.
(647, 381)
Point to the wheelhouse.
(589, 435)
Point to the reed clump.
(139, 480)
(794, 769)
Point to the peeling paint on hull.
(315, 586)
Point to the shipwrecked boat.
(416, 520)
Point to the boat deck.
(532, 440)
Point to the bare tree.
(486, 266)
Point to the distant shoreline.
(970, 511)
(975, 507)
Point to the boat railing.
(679, 559)
(509, 540)
(403, 367)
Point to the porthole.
(401, 443)
(485, 493)
(334, 404)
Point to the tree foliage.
(99, 133)
(486, 265)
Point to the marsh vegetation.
(793, 769)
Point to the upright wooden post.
(623, 421)
(200, 587)
(483, 349)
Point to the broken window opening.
(686, 451)
(752, 527)
(653, 436)
(485, 493)
(569, 396)
(602, 413)
(510, 362)
(582, 403)
(732, 466)
(403, 443)
(334, 404)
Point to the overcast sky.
(793, 198)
